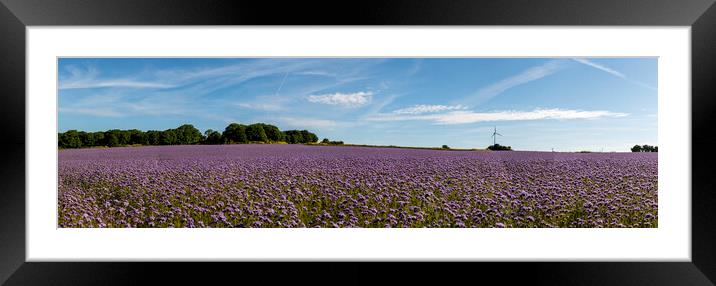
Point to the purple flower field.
(340, 186)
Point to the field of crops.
(339, 186)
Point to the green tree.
(649, 148)
(212, 137)
(112, 137)
(498, 147)
(256, 132)
(97, 138)
(308, 137)
(124, 137)
(293, 136)
(135, 136)
(69, 139)
(188, 134)
(168, 137)
(86, 139)
(235, 133)
(636, 148)
(272, 132)
(153, 137)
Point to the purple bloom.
(341, 186)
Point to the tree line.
(645, 148)
(186, 134)
(498, 147)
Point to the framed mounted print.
(523, 142)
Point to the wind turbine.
(494, 136)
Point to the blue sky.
(568, 104)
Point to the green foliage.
(309, 137)
(235, 133)
(256, 133)
(645, 148)
(498, 147)
(325, 141)
(300, 136)
(445, 147)
(87, 138)
(69, 139)
(293, 136)
(212, 137)
(328, 142)
(152, 137)
(186, 134)
(168, 137)
(272, 132)
(123, 138)
(135, 136)
(112, 137)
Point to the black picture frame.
(16, 15)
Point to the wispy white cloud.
(316, 73)
(303, 122)
(154, 106)
(343, 99)
(204, 80)
(380, 103)
(262, 106)
(113, 83)
(417, 66)
(526, 76)
(122, 104)
(459, 117)
(611, 71)
(600, 67)
(99, 112)
(176, 91)
(424, 108)
(89, 78)
(463, 117)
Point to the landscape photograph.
(357, 142)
